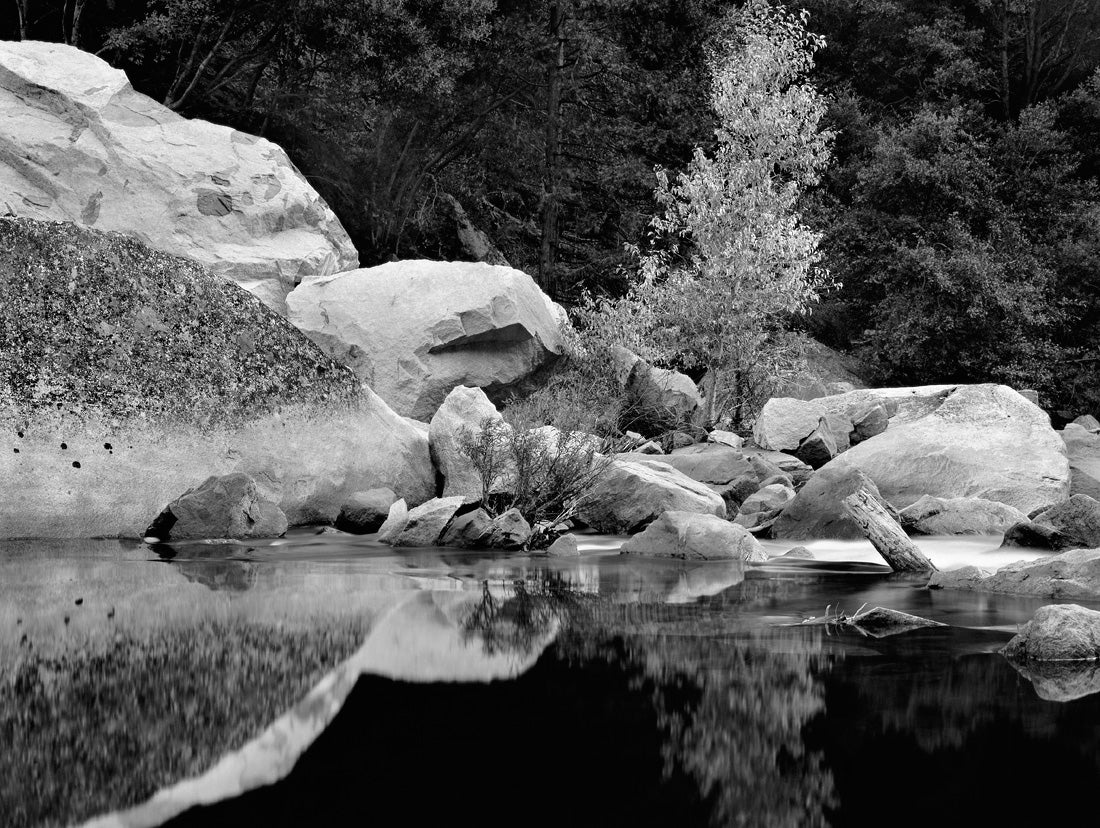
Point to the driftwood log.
(885, 534)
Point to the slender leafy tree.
(737, 262)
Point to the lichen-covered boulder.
(692, 536)
(128, 375)
(416, 329)
(78, 144)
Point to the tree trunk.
(548, 252)
(1005, 98)
(885, 534)
(21, 11)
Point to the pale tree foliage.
(737, 262)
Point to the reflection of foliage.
(84, 732)
(743, 740)
(518, 623)
(733, 710)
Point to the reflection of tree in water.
(733, 710)
(742, 740)
(522, 620)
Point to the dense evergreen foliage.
(961, 213)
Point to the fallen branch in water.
(885, 534)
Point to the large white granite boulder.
(77, 143)
(130, 376)
(416, 329)
(983, 441)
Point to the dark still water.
(328, 681)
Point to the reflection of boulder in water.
(234, 576)
(97, 727)
(1061, 681)
(421, 639)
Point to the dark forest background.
(961, 213)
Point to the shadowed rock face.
(77, 143)
(128, 376)
(416, 329)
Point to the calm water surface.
(325, 680)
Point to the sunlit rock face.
(983, 441)
(416, 329)
(77, 143)
(128, 376)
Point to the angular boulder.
(631, 494)
(982, 441)
(760, 510)
(509, 530)
(779, 462)
(131, 375)
(1073, 574)
(662, 398)
(465, 412)
(365, 512)
(414, 330)
(1083, 448)
(424, 525)
(959, 516)
(395, 522)
(230, 506)
(468, 531)
(1073, 524)
(818, 430)
(78, 144)
(817, 511)
(695, 537)
(1059, 632)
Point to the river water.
(327, 680)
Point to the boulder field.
(77, 143)
(128, 376)
(413, 330)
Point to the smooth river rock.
(413, 330)
(691, 536)
(78, 144)
(465, 412)
(132, 376)
(1059, 632)
(1072, 524)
